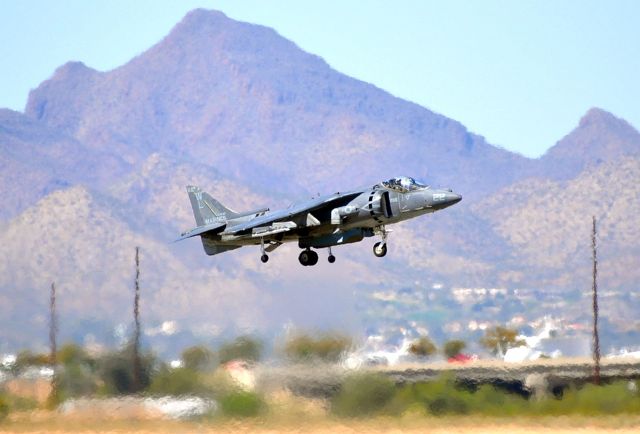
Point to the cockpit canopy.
(403, 184)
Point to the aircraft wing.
(286, 215)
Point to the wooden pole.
(137, 365)
(596, 338)
(53, 348)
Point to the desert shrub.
(615, 398)
(242, 348)
(489, 400)
(72, 354)
(454, 347)
(218, 382)
(19, 403)
(446, 397)
(242, 404)
(363, 395)
(439, 397)
(4, 407)
(423, 347)
(115, 371)
(180, 381)
(26, 359)
(76, 379)
(198, 358)
(327, 347)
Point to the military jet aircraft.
(323, 222)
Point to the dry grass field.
(51, 422)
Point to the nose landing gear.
(380, 248)
(308, 257)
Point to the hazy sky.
(521, 73)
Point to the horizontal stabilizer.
(207, 229)
(211, 248)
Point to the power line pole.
(53, 348)
(137, 365)
(596, 338)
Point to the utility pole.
(596, 338)
(137, 366)
(53, 355)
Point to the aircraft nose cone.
(453, 198)
(445, 198)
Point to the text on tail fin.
(206, 209)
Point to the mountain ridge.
(292, 109)
(254, 120)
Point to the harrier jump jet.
(323, 222)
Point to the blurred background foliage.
(207, 372)
(327, 347)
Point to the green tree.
(327, 347)
(72, 354)
(423, 347)
(198, 358)
(115, 369)
(454, 347)
(26, 359)
(499, 339)
(242, 348)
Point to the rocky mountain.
(36, 160)
(600, 137)
(98, 162)
(241, 98)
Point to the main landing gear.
(380, 248)
(264, 258)
(308, 257)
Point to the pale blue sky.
(521, 73)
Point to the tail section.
(206, 209)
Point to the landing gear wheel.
(331, 258)
(380, 249)
(304, 257)
(308, 257)
(264, 258)
(314, 258)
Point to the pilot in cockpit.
(403, 184)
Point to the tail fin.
(206, 209)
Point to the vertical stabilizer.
(206, 209)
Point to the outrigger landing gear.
(308, 257)
(380, 248)
(264, 258)
(331, 258)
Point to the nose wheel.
(380, 249)
(308, 257)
